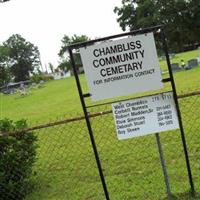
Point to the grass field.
(59, 98)
(65, 167)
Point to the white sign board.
(121, 67)
(142, 116)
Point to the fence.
(66, 169)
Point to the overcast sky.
(44, 22)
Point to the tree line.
(20, 58)
(179, 17)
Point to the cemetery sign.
(121, 67)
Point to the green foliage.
(5, 75)
(22, 58)
(4, 52)
(17, 155)
(65, 64)
(51, 67)
(41, 77)
(66, 41)
(179, 17)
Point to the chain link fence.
(65, 166)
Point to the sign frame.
(129, 64)
(156, 30)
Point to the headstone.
(193, 63)
(163, 58)
(172, 55)
(175, 67)
(21, 87)
(8, 91)
(41, 82)
(198, 59)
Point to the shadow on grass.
(184, 196)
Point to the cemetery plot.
(175, 67)
(193, 63)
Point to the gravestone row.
(190, 64)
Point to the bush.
(17, 155)
(41, 77)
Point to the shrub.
(17, 155)
(48, 78)
(41, 77)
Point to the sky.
(44, 22)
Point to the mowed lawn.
(50, 102)
(65, 167)
(59, 99)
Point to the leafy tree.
(23, 57)
(5, 75)
(180, 17)
(51, 67)
(17, 156)
(63, 53)
(64, 66)
(66, 41)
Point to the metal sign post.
(164, 168)
(178, 112)
(89, 126)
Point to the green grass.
(66, 168)
(59, 99)
(54, 100)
